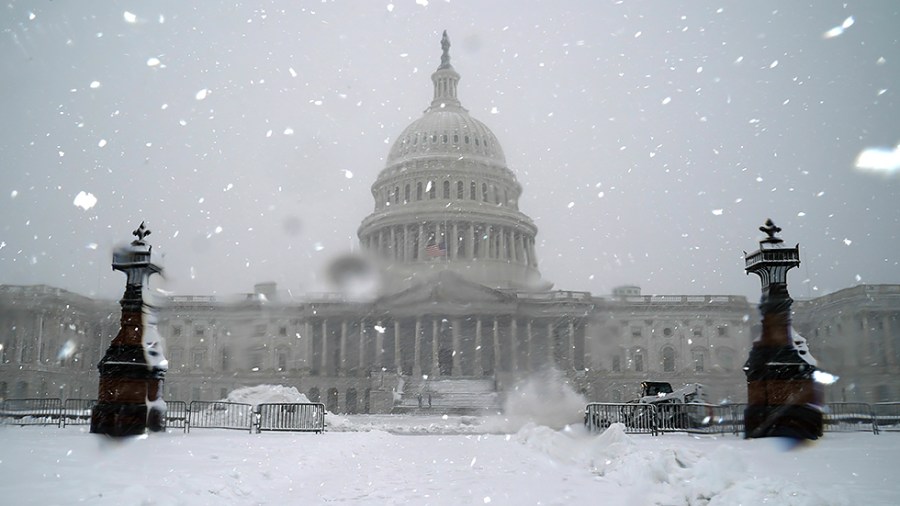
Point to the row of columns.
(528, 345)
(466, 240)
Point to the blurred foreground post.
(783, 400)
(131, 373)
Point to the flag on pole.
(435, 250)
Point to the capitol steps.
(448, 395)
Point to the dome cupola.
(446, 200)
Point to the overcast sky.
(651, 138)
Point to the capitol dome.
(446, 201)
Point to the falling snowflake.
(85, 200)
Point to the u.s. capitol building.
(462, 314)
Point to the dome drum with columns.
(446, 201)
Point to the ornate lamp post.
(131, 373)
(782, 397)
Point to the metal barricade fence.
(297, 417)
(77, 411)
(176, 415)
(732, 417)
(637, 418)
(849, 417)
(220, 415)
(32, 412)
(699, 418)
(887, 415)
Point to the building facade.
(462, 315)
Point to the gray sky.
(651, 138)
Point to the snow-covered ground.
(535, 465)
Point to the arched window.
(460, 190)
(447, 190)
(455, 139)
(472, 191)
(466, 138)
(668, 359)
(432, 191)
(496, 195)
(396, 194)
(406, 194)
(444, 138)
(419, 191)
(484, 193)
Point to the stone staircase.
(459, 395)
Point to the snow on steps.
(449, 395)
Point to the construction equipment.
(680, 409)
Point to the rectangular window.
(698, 361)
(176, 331)
(199, 331)
(636, 332)
(198, 358)
(722, 330)
(638, 363)
(698, 332)
(282, 331)
(617, 364)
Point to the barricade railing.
(637, 418)
(849, 417)
(699, 418)
(31, 412)
(176, 415)
(887, 415)
(733, 417)
(220, 415)
(293, 417)
(77, 411)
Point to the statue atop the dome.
(445, 57)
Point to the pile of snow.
(667, 473)
(275, 394)
(545, 398)
(266, 394)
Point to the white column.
(398, 365)
(514, 348)
(417, 348)
(571, 352)
(479, 349)
(496, 346)
(435, 348)
(343, 350)
(457, 352)
(550, 344)
(324, 347)
(362, 346)
(528, 346)
(421, 248)
(453, 244)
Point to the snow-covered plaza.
(442, 461)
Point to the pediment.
(446, 288)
